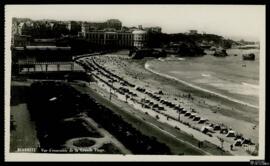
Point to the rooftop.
(52, 48)
(139, 32)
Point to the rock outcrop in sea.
(184, 49)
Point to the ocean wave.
(171, 59)
(206, 75)
(251, 85)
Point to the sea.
(230, 77)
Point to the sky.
(230, 21)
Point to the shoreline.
(147, 67)
(134, 71)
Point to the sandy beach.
(216, 109)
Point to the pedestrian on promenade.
(231, 146)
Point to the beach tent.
(196, 118)
(187, 114)
(155, 106)
(192, 115)
(161, 108)
(211, 124)
(183, 111)
(202, 120)
(238, 142)
(247, 141)
(217, 127)
(231, 133)
(204, 129)
(224, 130)
(180, 108)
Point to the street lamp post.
(111, 89)
(179, 112)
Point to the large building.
(42, 59)
(125, 39)
(94, 26)
(115, 36)
(118, 39)
(41, 54)
(110, 39)
(139, 38)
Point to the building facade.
(112, 34)
(125, 39)
(41, 59)
(110, 39)
(140, 39)
(118, 39)
(95, 26)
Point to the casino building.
(97, 26)
(112, 38)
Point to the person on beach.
(231, 147)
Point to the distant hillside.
(159, 40)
